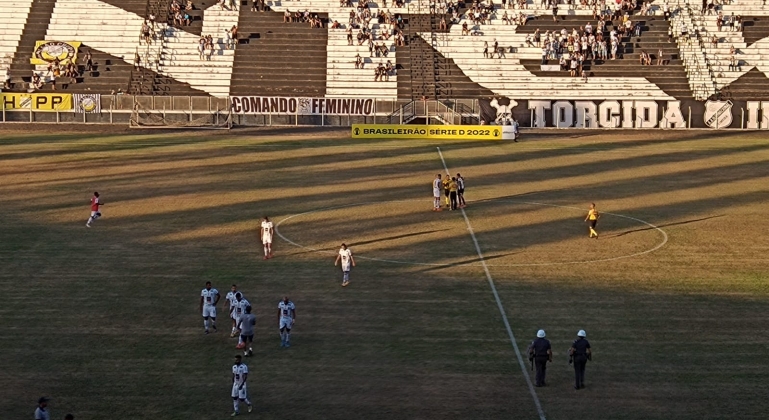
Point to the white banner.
(266, 105)
(87, 103)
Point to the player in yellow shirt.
(447, 189)
(592, 217)
(453, 188)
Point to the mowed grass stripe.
(118, 330)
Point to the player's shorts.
(285, 323)
(593, 222)
(461, 191)
(96, 214)
(247, 338)
(346, 268)
(446, 192)
(234, 316)
(436, 193)
(209, 311)
(267, 239)
(241, 393)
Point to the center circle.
(489, 254)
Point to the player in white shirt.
(267, 231)
(209, 297)
(231, 308)
(240, 308)
(239, 388)
(286, 318)
(437, 185)
(345, 256)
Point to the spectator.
(358, 61)
(659, 57)
(465, 29)
(287, 16)
(486, 49)
(41, 412)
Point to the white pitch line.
(541, 264)
(499, 304)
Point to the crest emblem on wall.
(718, 114)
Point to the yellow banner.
(48, 51)
(51, 102)
(437, 132)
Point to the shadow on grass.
(685, 222)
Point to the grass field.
(106, 322)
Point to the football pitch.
(673, 295)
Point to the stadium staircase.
(431, 75)
(279, 59)
(421, 60)
(20, 70)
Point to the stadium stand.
(506, 74)
(433, 53)
(13, 18)
(343, 77)
(207, 70)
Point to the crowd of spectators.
(57, 69)
(314, 20)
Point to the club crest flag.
(48, 51)
(87, 103)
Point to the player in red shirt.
(95, 213)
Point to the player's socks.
(205, 324)
(248, 403)
(235, 405)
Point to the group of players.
(454, 193)
(243, 324)
(453, 189)
(244, 321)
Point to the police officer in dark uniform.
(579, 353)
(540, 353)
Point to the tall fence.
(203, 110)
(187, 111)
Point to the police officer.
(580, 354)
(540, 352)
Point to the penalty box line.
(499, 303)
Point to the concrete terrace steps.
(278, 59)
(13, 18)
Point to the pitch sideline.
(499, 304)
